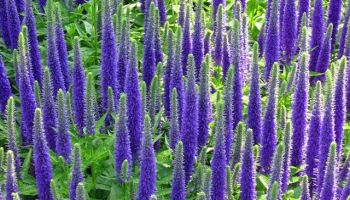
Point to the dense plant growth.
(167, 99)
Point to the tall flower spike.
(13, 22)
(178, 189)
(286, 157)
(134, 104)
(181, 18)
(154, 103)
(167, 74)
(108, 56)
(237, 144)
(237, 94)
(216, 4)
(204, 104)
(176, 74)
(228, 114)
(53, 61)
(149, 60)
(235, 46)
(324, 56)
(345, 193)
(122, 64)
(206, 43)
(269, 129)
(328, 186)
(289, 33)
(247, 175)
(162, 12)
(143, 90)
(11, 134)
(317, 34)
(197, 39)
(3, 27)
(33, 45)
(245, 58)
(61, 48)
(76, 175)
(122, 140)
(305, 194)
(186, 43)
(90, 104)
(174, 132)
(78, 88)
(42, 162)
(147, 180)
(312, 149)
(339, 106)
(327, 130)
(81, 193)
(254, 105)
(344, 169)
(334, 12)
(218, 163)
(303, 9)
(28, 58)
(261, 40)
(344, 32)
(189, 125)
(272, 43)
(11, 179)
(63, 143)
(26, 95)
(299, 111)
(5, 87)
(219, 29)
(226, 59)
(277, 170)
(49, 111)
(158, 54)
(304, 40)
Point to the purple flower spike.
(317, 34)
(61, 48)
(178, 189)
(186, 40)
(299, 111)
(63, 143)
(147, 180)
(334, 12)
(247, 175)
(328, 186)
(53, 61)
(78, 88)
(167, 73)
(108, 57)
(269, 129)
(339, 106)
(149, 60)
(5, 87)
(198, 40)
(204, 105)
(26, 94)
(76, 175)
(34, 51)
(218, 163)
(11, 179)
(13, 22)
(254, 105)
(327, 131)
(272, 43)
(49, 111)
(134, 105)
(324, 56)
(122, 141)
(289, 33)
(189, 125)
(42, 162)
(312, 149)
